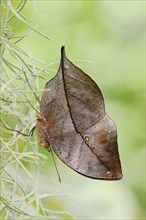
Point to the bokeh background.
(106, 39)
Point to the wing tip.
(62, 50)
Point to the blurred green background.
(106, 40)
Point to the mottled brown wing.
(75, 124)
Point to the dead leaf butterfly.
(73, 121)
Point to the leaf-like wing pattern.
(74, 122)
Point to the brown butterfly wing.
(76, 126)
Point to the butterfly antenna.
(50, 149)
(19, 132)
(34, 108)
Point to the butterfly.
(73, 122)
